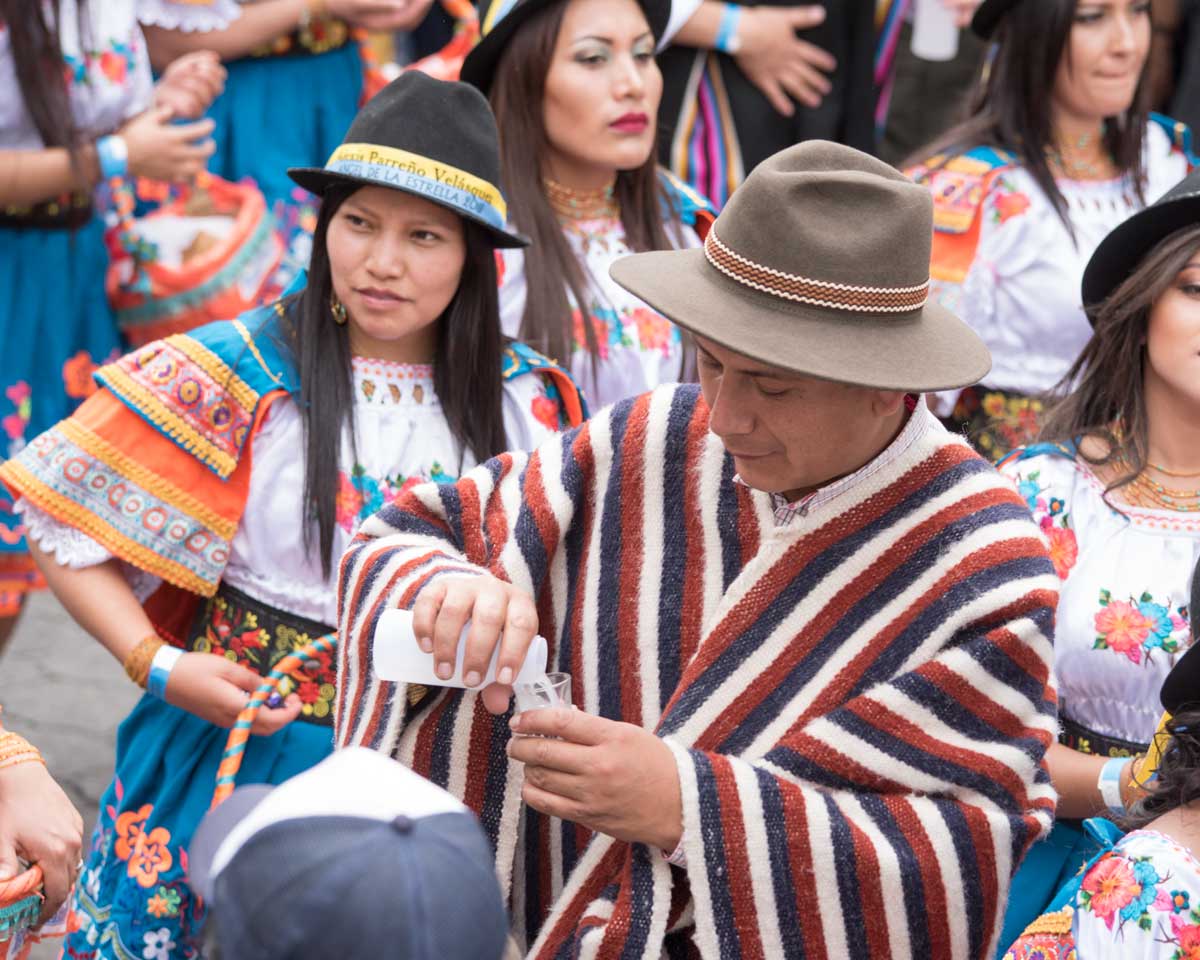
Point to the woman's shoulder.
(202, 389)
(685, 204)
(961, 182)
(1168, 153)
(525, 370)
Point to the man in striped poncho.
(809, 630)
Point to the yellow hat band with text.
(428, 178)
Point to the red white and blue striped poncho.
(859, 701)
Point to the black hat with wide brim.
(988, 16)
(500, 19)
(1127, 245)
(432, 138)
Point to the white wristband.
(1109, 784)
(160, 670)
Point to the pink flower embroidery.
(1112, 885)
(1187, 935)
(1011, 205)
(1123, 628)
(1064, 549)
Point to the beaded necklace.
(572, 204)
(1142, 491)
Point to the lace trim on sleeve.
(190, 17)
(68, 545)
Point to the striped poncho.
(858, 701)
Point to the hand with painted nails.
(499, 613)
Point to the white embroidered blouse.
(1123, 607)
(639, 348)
(1022, 292)
(402, 439)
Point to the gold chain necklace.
(573, 204)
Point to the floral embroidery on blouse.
(1007, 201)
(361, 496)
(1120, 889)
(640, 327)
(147, 852)
(1136, 628)
(1050, 513)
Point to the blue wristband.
(160, 670)
(113, 154)
(726, 40)
(1110, 785)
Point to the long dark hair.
(1103, 395)
(1010, 106)
(516, 96)
(1178, 780)
(34, 34)
(466, 369)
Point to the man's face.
(789, 433)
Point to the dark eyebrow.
(610, 41)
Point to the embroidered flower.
(148, 854)
(545, 411)
(1029, 490)
(158, 944)
(347, 504)
(1011, 205)
(1187, 938)
(114, 66)
(1110, 887)
(602, 330)
(1180, 900)
(1158, 617)
(129, 829)
(655, 331)
(1138, 627)
(164, 903)
(1121, 627)
(1064, 549)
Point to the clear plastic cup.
(553, 691)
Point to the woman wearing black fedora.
(576, 90)
(1057, 150)
(191, 514)
(1115, 486)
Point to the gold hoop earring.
(338, 309)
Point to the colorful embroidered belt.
(64, 213)
(1080, 738)
(257, 635)
(321, 35)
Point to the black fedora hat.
(1123, 249)
(500, 19)
(431, 138)
(988, 16)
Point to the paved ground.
(63, 691)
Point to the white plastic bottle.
(934, 34)
(398, 657)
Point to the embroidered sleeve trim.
(190, 395)
(76, 487)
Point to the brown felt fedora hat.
(819, 264)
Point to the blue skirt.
(280, 112)
(55, 327)
(132, 899)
